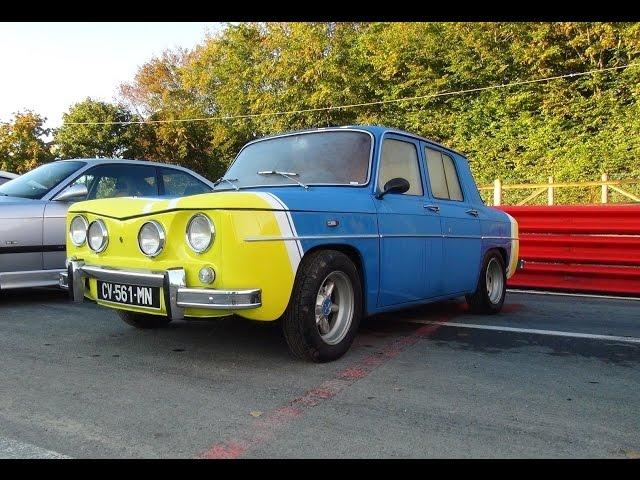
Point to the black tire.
(142, 320)
(299, 320)
(480, 302)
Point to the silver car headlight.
(200, 233)
(78, 230)
(98, 237)
(151, 238)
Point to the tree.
(22, 143)
(97, 140)
(573, 128)
(160, 94)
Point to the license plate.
(148, 297)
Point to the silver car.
(33, 207)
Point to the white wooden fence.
(550, 187)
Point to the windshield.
(38, 182)
(330, 157)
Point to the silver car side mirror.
(74, 192)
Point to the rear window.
(179, 184)
(120, 180)
(443, 176)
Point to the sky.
(48, 66)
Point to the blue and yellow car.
(315, 228)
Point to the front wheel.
(142, 320)
(324, 312)
(492, 286)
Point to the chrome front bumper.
(177, 296)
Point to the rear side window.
(443, 176)
(125, 180)
(178, 184)
(400, 159)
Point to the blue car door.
(409, 233)
(459, 221)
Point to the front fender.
(261, 250)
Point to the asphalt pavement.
(551, 376)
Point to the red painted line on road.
(265, 427)
(229, 450)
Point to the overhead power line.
(363, 104)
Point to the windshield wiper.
(288, 175)
(228, 180)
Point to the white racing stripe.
(287, 227)
(554, 333)
(14, 449)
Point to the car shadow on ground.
(27, 296)
(497, 342)
(265, 338)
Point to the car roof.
(102, 161)
(99, 161)
(375, 130)
(382, 129)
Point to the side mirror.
(395, 185)
(73, 193)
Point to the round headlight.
(200, 233)
(97, 236)
(151, 238)
(78, 230)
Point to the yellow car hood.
(128, 207)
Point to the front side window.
(179, 184)
(330, 157)
(443, 177)
(40, 181)
(400, 159)
(126, 180)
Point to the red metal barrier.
(591, 249)
(570, 219)
(594, 248)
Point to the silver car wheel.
(334, 307)
(494, 281)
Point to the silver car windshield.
(331, 157)
(39, 181)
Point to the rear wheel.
(324, 312)
(492, 286)
(142, 320)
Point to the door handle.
(473, 212)
(433, 208)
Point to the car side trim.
(305, 237)
(32, 249)
(394, 235)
